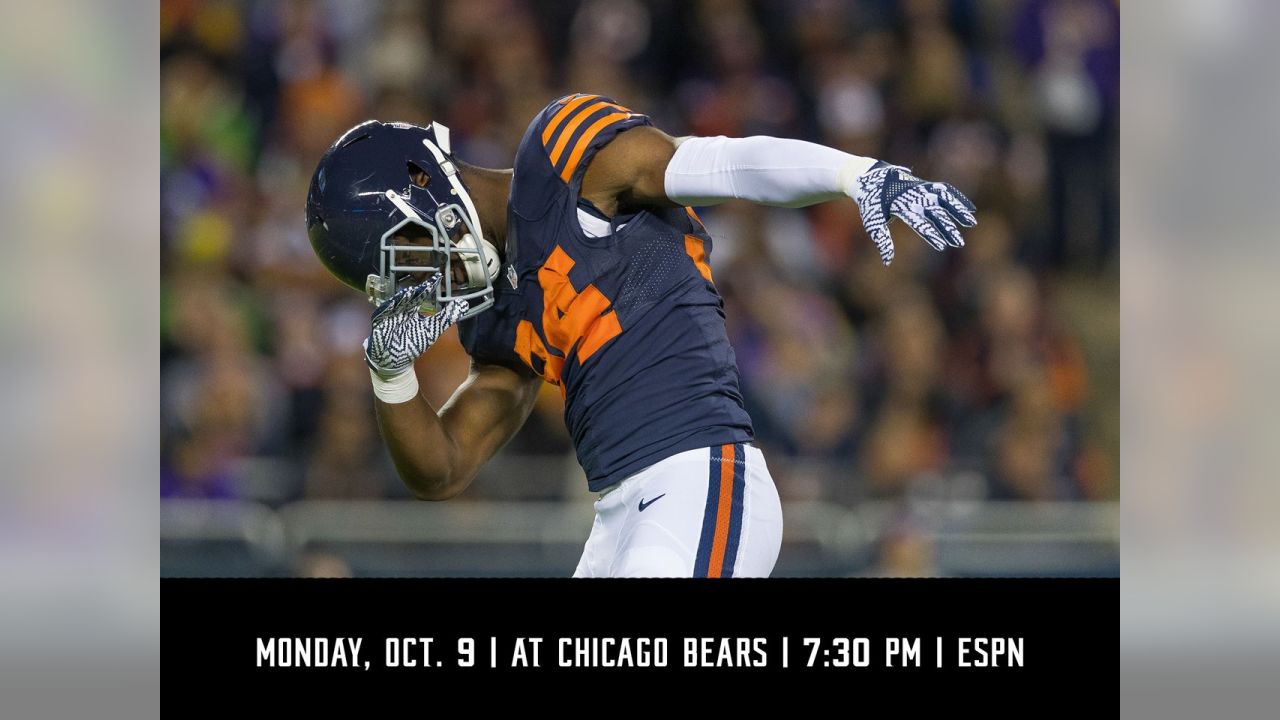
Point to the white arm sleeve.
(766, 170)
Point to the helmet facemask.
(450, 243)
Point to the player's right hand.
(400, 332)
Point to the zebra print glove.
(400, 332)
(927, 207)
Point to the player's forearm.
(766, 170)
(424, 453)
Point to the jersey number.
(570, 319)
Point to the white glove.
(400, 332)
(891, 190)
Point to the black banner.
(278, 639)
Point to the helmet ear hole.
(417, 175)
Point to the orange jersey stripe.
(721, 540)
(564, 113)
(586, 139)
(695, 249)
(573, 124)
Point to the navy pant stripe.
(735, 510)
(702, 562)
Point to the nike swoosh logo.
(644, 504)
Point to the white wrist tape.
(398, 389)
(766, 170)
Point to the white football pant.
(710, 512)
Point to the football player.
(584, 266)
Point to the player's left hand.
(930, 208)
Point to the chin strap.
(475, 269)
(451, 172)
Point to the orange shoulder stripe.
(586, 139)
(572, 125)
(565, 111)
(695, 249)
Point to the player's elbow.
(420, 492)
(433, 495)
(434, 488)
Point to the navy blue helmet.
(387, 208)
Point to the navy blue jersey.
(489, 338)
(629, 326)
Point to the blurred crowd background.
(986, 374)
